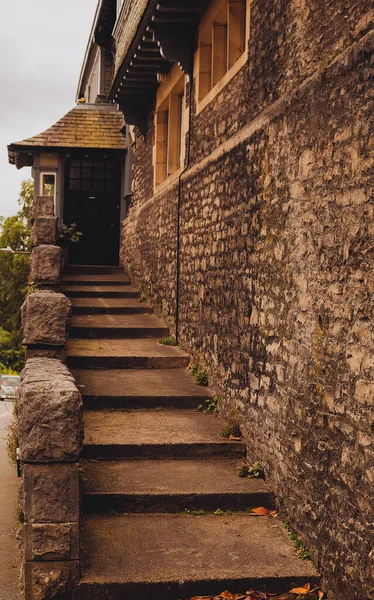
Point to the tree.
(15, 233)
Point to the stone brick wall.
(277, 273)
(50, 426)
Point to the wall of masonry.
(277, 273)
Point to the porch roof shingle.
(85, 126)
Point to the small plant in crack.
(168, 340)
(255, 471)
(231, 431)
(200, 375)
(210, 406)
(300, 549)
(198, 513)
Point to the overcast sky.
(42, 45)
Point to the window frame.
(171, 126)
(210, 81)
(43, 174)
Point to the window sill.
(160, 187)
(200, 105)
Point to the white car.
(9, 385)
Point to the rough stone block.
(45, 264)
(51, 493)
(51, 580)
(44, 231)
(58, 353)
(49, 413)
(52, 541)
(43, 206)
(46, 318)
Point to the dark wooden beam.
(176, 44)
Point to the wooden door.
(92, 202)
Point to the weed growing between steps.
(255, 471)
(305, 592)
(200, 375)
(211, 406)
(300, 549)
(168, 340)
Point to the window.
(88, 175)
(48, 184)
(223, 33)
(170, 125)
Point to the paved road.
(9, 558)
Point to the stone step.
(117, 326)
(102, 279)
(170, 486)
(126, 353)
(113, 306)
(100, 291)
(115, 434)
(139, 388)
(153, 556)
(92, 269)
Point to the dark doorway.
(92, 202)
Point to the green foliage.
(200, 375)
(211, 406)
(301, 551)
(68, 233)
(251, 471)
(143, 299)
(15, 233)
(231, 430)
(168, 340)
(198, 513)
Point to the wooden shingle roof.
(86, 126)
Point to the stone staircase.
(151, 460)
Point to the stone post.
(45, 264)
(50, 425)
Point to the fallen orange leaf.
(301, 591)
(260, 511)
(320, 594)
(227, 595)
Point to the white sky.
(42, 45)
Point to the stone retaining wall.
(277, 272)
(50, 426)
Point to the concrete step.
(102, 279)
(113, 306)
(144, 557)
(115, 434)
(126, 353)
(170, 486)
(93, 269)
(139, 388)
(100, 291)
(117, 326)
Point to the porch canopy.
(87, 126)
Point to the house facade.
(249, 227)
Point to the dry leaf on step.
(260, 511)
(301, 590)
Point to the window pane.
(75, 184)
(75, 173)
